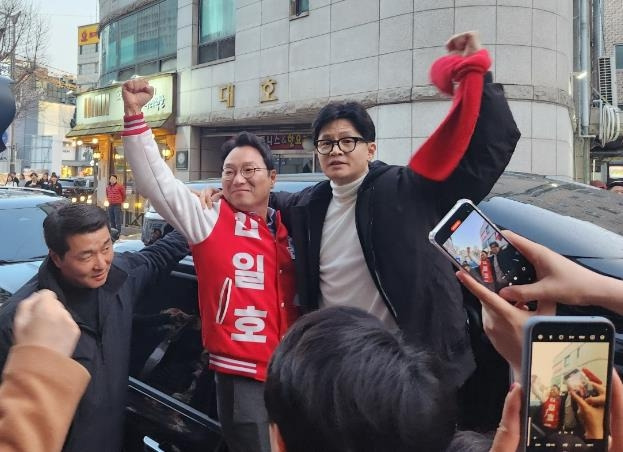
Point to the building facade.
(88, 57)
(268, 66)
(43, 122)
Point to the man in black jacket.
(361, 239)
(99, 289)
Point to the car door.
(171, 394)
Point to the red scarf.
(439, 156)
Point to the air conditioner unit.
(606, 85)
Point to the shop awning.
(103, 129)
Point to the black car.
(22, 248)
(78, 189)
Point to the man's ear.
(371, 151)
(56, 258)
(276, 441)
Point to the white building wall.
(88, 67)
(54, 121)
(379, 52)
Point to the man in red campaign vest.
(243, 259)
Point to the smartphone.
(474, 244)
(566, 374)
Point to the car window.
(167, 353)
(21, 233)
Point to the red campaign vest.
(550, 414)
(486, 272)
(246, 280)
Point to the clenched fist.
(43, 321)
(465, 44)
(136, 93)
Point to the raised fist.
(464, 44)
(136, 93)
(43, 321)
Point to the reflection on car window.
(21, 232)
(166, 352)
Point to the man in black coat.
(502, 260)
(361, 239)
(99, 289)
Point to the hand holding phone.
(475, 245)
(573, 357)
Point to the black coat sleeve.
(155, 260)
(490, 149)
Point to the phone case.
(579, 380)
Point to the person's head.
(495, 247)
(554, 391)
(616, 187)
(483, 255)
(465, 265)
(53, 178)
(340, 381)
(79, 243)
(45, 176)
(113, 179)
(468, 441)
(21, 176)
(33, 177)
(347, 160)
(248, 172)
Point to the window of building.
(299, 8)
(145, 36)
(127, 40)
(618, 49)
(217, 30)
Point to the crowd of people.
(330, 321)
(46, 182)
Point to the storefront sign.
(87, 34)
(284, 141)
(105, 106)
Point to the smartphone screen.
(567, 378)
(474, 244)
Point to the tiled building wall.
(379, 52)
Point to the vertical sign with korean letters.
(248, 275)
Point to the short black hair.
(340, 381)
(71, 220)
(249, 139)
(468, 441)
(494, 244)
(114, 175)
(355, 112)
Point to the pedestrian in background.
(33, 182)
(22, 180)
(115, 193)
(55, 186)
(11, 180)
(45, 181)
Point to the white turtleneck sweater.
(344, 276)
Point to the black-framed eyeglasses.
(345, 144)
(247, 172)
